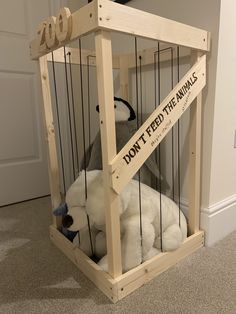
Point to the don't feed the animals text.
(160, 118)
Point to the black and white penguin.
(123, 110)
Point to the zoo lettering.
(160, 118)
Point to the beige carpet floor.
(35, 277)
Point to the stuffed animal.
(126, 126)
(132, 251)
(90, 240)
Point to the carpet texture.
(35, 277)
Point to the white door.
(23, 155)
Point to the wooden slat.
(148, 55)
(58, 56)
(145, 272)
(91, 270)
(112, 16)
(51, 140)
(108, 143)
(156, 127)
(195, 160)
(83, 21)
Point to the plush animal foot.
(103, 263)
(153, 252)
(171, 239)
(100, 244)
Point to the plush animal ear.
(61, 210)
(132, 115)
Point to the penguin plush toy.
(126, 126)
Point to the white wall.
(223, 167)
(220, 216)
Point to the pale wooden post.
(108, 140)
(195, 158)
(124, 77)
(50, 136)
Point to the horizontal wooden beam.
(149, 54)
(116, 17)
(88, 57)
(128, 161)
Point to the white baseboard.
(217, 220)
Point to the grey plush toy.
(126, 126)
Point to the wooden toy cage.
(101, 17)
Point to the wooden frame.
(102, 17)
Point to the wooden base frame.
(118, 288)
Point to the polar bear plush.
(133, 253)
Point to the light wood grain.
(108, 143)
(112, 16)
(195, 159)
(50, 137)
(50, 32)
(63, 25)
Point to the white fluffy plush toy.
(91, 242)
(132, 251)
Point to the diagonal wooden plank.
(150, 134)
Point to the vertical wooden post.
(124, 77)
(195, 158)
(108, 140)
(50, 136)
